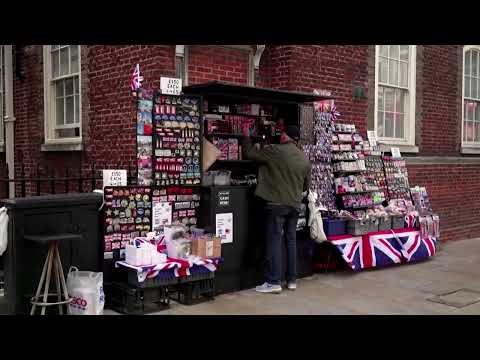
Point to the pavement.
(448, 284)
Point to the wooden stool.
(53, 264)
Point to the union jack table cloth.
(383, 248)
(180, 267)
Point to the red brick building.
(421, 98)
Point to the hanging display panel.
(128, 211)
(144, 136)
(177, 135)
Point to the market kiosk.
(229, 191)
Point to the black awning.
(251, 94)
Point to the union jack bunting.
(383, 248)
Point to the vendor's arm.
(251, 152)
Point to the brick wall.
(208, 63)
(109, 108)
(454, 194)
(441, 97)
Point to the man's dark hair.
(293, 132)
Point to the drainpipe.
(9, 119)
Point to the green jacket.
(283, 175)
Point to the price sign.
(396, 153)
(372, 138)
(171, 86)
(114, 178)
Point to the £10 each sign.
(171, 86)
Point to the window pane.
(55, 65)
(68, 86)
(469, 110)
(59, 89)
(393, 72)
(474, 63)
(394, 51)
(69, 110)
(67, 133)
(76, 84)
(59, 111)
(404, 52)
(77, 109)
(400, 101)
(380, 98)
(74, 58)
(403, 74)
(380, 129)
(383, 50)
(64, 61)
(467, 86)
(389, 125)
(473, 92)
(388, 93)
(382, 70)
(477, 111)
(399, 126)
(477, 132)
(467, 62)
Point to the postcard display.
(169, 152)
(355, 185)
(319, 155)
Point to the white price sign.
(396, 153)
(114, 178)
(171, 86)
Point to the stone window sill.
(470, 150)
(62, 147)
(404, 149)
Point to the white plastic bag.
(3, 230)
(315, 221)
(86, 289)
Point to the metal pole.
(9, 119)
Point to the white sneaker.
(268, 288)
(292, 285)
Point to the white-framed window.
(2, 95)
(62, 91)
(471, 96)
(395, 78)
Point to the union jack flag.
(414, 247)
(383, 248)
(136, 78)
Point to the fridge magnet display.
(184, 202)
(176, 141)
(127, 215)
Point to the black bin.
(41, 215)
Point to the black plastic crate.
(164, 278)
(198, 287)
(194, 292)
(131, 300)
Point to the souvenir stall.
(228, 207)
(191, 228)
(376, 219)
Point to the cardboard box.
(207, 247)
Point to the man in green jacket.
(284, 174)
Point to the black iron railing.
(49, 180)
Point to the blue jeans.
(278, 219)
